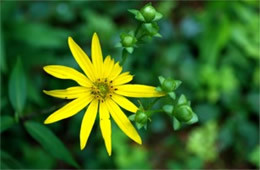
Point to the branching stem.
(153, 102)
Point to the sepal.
(176, 124)
(193, 120)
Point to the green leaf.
(6, 122)
(41, 35)
(4, 102)
(3, 67)
(50, 142)
(17, 87)
(8, 162)
(37, 158)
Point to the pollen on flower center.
(102, 89)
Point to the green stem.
(153, 102)
(124, 57)
(151, 112)
(124, 52)
(137, 29)
(141, 37)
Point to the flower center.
(102, 89)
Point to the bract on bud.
(151, 29)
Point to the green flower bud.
(148, 12)
(169, 85)
(141, 117)
(127, 40)
(183, 113)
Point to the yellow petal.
(64, 72)
(115, 71)
(69, 93)
(108, 66)
(124, 103)
(122, 121)
(105, 126)
(96, 54)
(69, 109)
(122, 79)
(137, 90)
(87, 123)
(82, 59)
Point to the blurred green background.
(213, 47)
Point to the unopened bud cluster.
(179, 108)
(147, 14)
(148, 28)
(141, 117)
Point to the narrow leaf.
(49, 142)
(8, 162)
(17, 87)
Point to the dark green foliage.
(17, 87)
(49, 142)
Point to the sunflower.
(103, 89)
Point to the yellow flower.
(102, 89)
